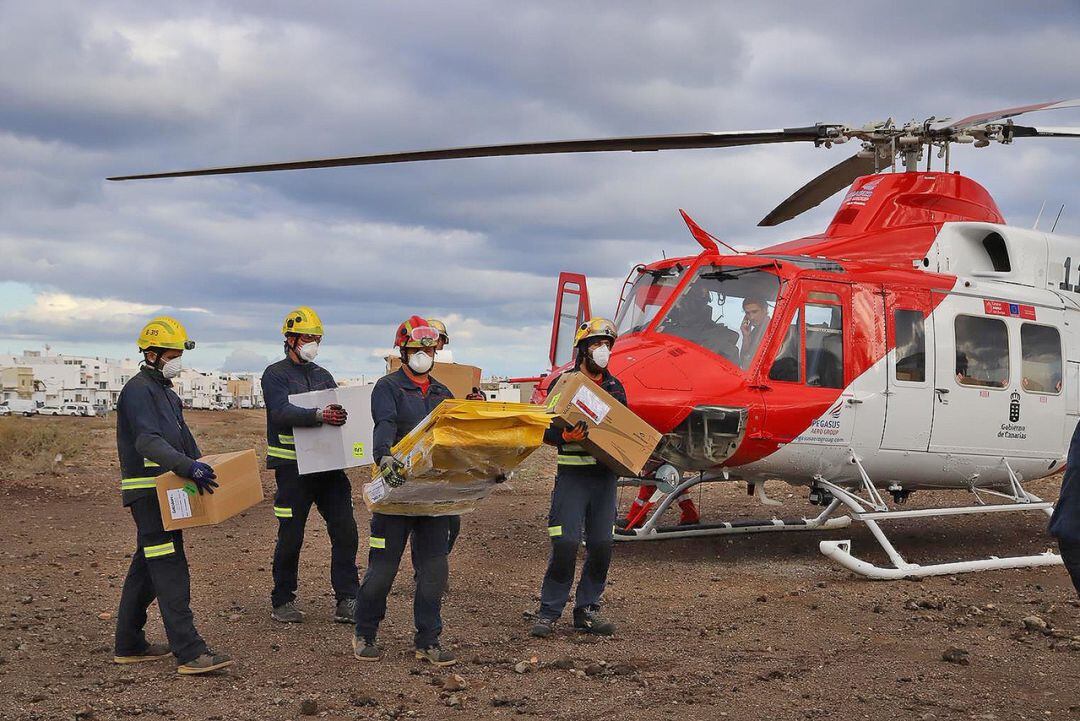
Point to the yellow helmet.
(302, 321)
(441, 327)
(596, 328)
(164, 332)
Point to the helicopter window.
(910, 346)
(725, 310)
(982, 352)
(648, 294)
(824, 345)
(786, 365)
(1040, 350)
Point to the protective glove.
(577, 433)
(334, 415)
(204, 476)
(390, 469)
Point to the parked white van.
(19, 406)
(77, 409)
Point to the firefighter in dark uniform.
(399, 402)
(584, 499)
(152, 438)
(1065, 523)
(330, 491)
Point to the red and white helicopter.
(919, 342)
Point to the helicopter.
(918, 342)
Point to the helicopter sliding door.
(909, 409)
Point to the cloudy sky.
(95, 89)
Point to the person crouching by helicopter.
(584, 498)
(1065, 523)
(151, 439)
(399, 401)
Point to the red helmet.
(415, 333)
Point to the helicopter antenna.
(1052, 228)
(1039, 216)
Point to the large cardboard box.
(454, 455)
(239, 488)
(459, 378)
(617, 437)
(326, 447)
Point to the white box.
(329, 448)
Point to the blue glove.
(204, 476)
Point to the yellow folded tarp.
(454, 455)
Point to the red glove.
(334, 415)
(578, 432)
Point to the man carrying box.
(399, 401)
(330, 491)
(151, 439)
(584, 497)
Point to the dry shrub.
(30, 445)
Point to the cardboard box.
(617, 437)
(328, 448)
(453, 456)
(239, 488)
(459, 378)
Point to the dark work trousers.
(429, 545)
(158, 570)
(1070, 553)
(455, 529)
(579, 502)
(331, 493)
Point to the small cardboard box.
(459, 378)
(617, 437)
(326, 447)
(239, 488)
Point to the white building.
(60, 378)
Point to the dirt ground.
(737, 627)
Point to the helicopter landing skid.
(651, 530)
(862, 510)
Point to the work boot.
(288, 613)
(589, 620)
(207, 663)
(346, 611)
(542, 627)
(153, 652)
(436, 656)
(365, 650)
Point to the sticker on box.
(358, 450)
(179, 503)
(590, 404)
(377, 490)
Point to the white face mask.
(172, 368)
(420, 362)
(308, 351)
(601, 355)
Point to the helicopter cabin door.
(571, 310)
(909, 407)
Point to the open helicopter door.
(910, 334)
(571, 310)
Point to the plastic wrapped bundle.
(453, 457)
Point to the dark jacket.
(398, 406)
(1065, 523)
(279, 381)
(151, 435)
(574, 459)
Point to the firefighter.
(152, 438)
(584, 499)
(1065, 523)
(442, 353)
(399, 401)
(330, 491)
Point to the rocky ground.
(746, 627)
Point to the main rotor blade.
(995, 115)
(596, 145)
(1026, 131)
(820, 188)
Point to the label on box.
(179, 503)
(590, 404)
(358, 450)
(377, 490)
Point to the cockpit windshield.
(647, 295)
(725, 309)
